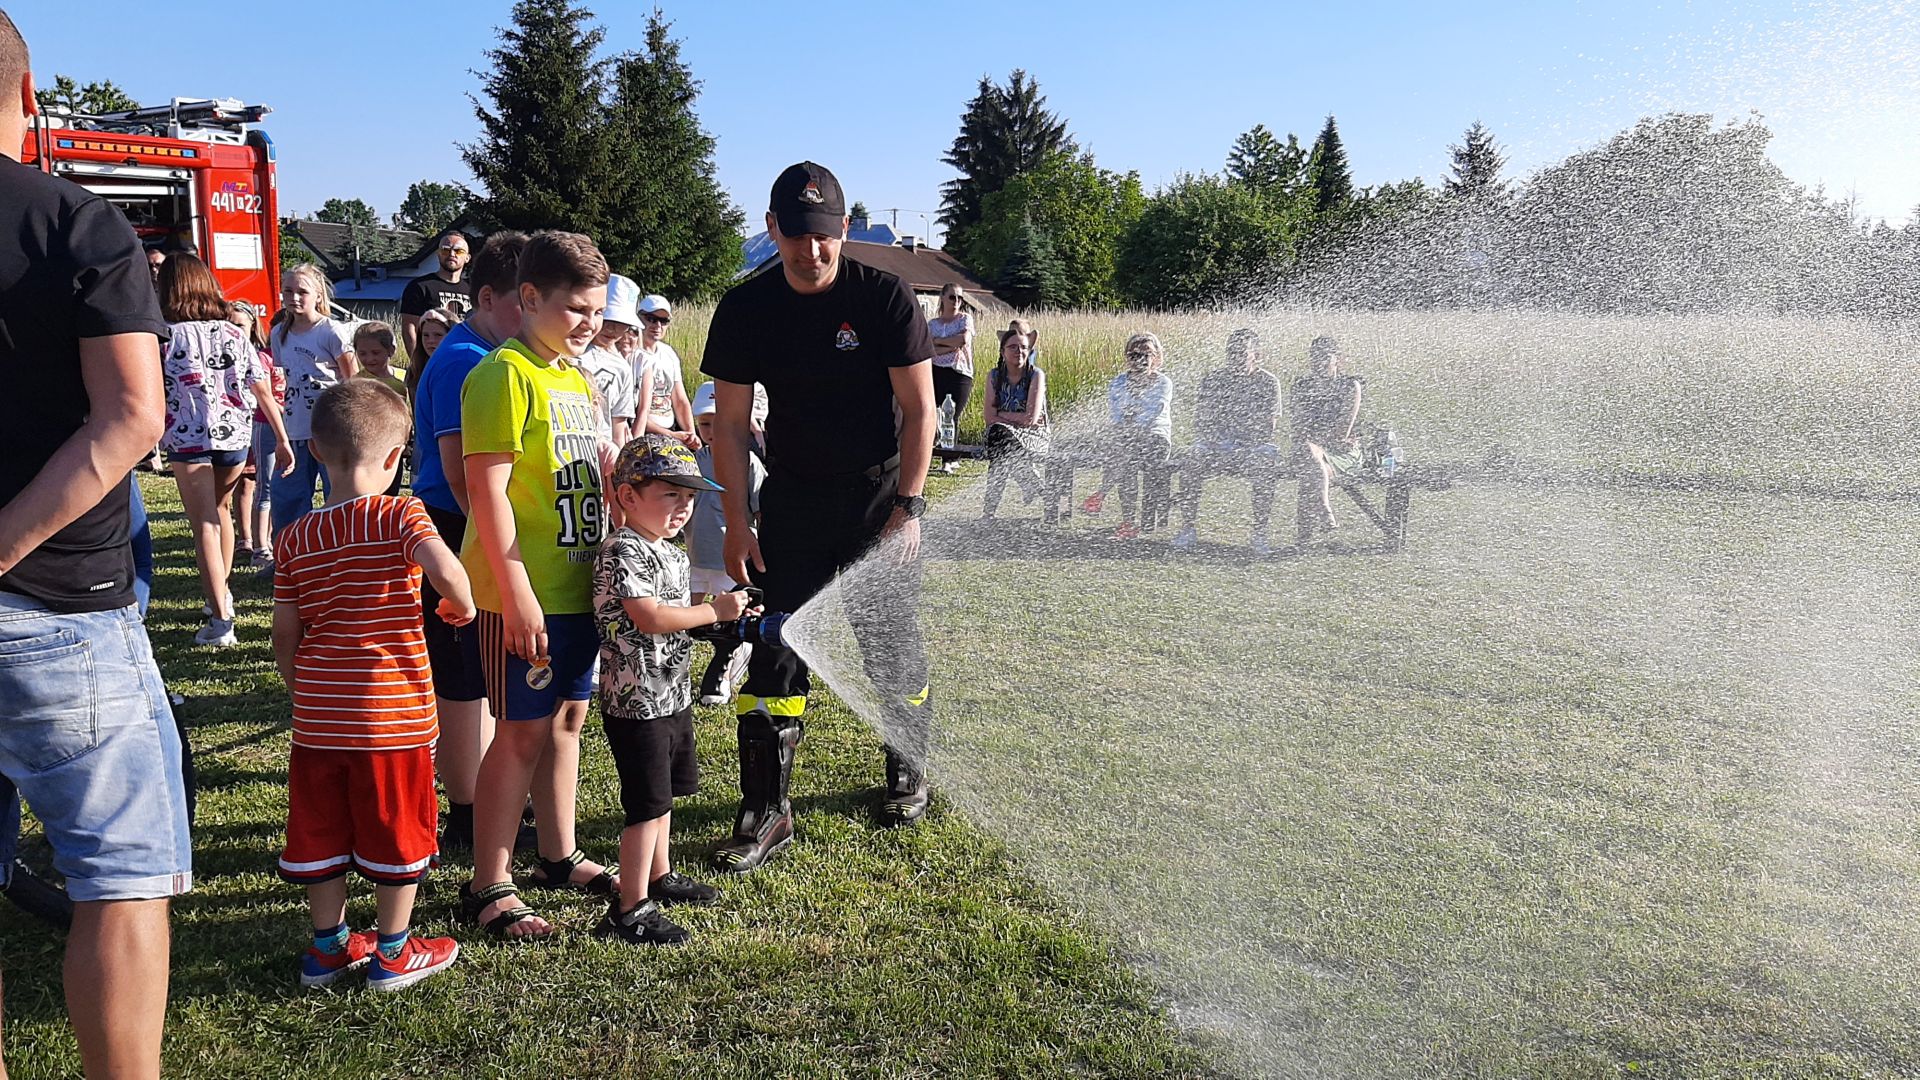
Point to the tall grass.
(1771, 398)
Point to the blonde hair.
(1152, 342)
(317, 284)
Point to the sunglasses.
(657, 320)
(454, 248)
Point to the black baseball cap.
(807, 199)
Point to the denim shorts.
(87, 738)
(221, 459)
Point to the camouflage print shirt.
(642, 676)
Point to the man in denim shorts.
(86, 734)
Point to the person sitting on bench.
(1234, 421)
(1016, 416)
(1140, 404)
(1325, 406)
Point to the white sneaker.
(1185, 538)
(207, 609)
(1259, 543)
(217, 633)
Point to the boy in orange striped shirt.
(347, 637)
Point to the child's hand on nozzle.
(455, 611)
(730, 606)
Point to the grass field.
(1589, 782)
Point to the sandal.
(473, 903)
(558, 874)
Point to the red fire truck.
(194, 174)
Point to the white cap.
(621, 292)
(703, 403)
(654, 302)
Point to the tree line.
(1676, 214)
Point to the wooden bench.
(1391, 516)
(961, 452)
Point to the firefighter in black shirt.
(845, 357)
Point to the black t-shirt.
(70, 268)
(423, 294)
(1322, 404)
(1238, 406)
(825, 360)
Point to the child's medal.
(540, 675)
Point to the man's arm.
(453, 462)
(410, 336)
(126, 417)
(732, 436)
(913, 389)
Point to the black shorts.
(655, 761)
(452, 651)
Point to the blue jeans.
(293, 493)
(263, 469)
(142, 539)
(87, 737)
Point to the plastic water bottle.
(947, 423)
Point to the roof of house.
(758, 248)
(925, 269)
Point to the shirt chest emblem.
(846, 340)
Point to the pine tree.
(1032, 276)
(1005, 131)
(859, 211)
(672, 228)
(540, 157)
(1476, 166)
(1266, 166)
(1327, 170)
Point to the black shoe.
(644, 925)
(37, 897)
(906, 798)
(528, 838)
(677, 888)
(457, 837)
(740, 854)
(903, 808)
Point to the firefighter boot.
(765, 824)
(906, 800)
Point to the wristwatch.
(914, 505)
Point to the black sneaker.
(646, 924)
(674, 887)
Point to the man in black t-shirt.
(440, 289)
(844, 354)
(89, 740)
(1239, 407)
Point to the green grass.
(1588, 782)
(863, 952)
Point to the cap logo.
(846, 340)
(811, 194)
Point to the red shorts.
(372, 810)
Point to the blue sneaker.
(419, 958)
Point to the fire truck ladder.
(209, 120)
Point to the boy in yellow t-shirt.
(528, 431)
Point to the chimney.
(860, 223)
(910, 242)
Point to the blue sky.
(370, 97)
